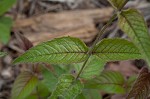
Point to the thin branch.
(97, 38)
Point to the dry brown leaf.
(141, 87)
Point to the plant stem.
(123, 5)
(83, 66)
(101, 32)
(98, 37)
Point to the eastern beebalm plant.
(77, 71)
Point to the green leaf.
(5, 26)
(5, 5)
(61, 50)
(93, 68)
(116, 49)
(41, 92)
(2, 54)
(67, 88)
(80, 96)
(24, 85)
(108, 81)
(117, 4)
(32, 96)
(92, 94)
(132, 23)
(6, 21)
(51, 77)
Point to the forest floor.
(42, 20)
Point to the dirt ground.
(42, 20)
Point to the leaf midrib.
(60, 53)
(115, 53)
(133, 30)
(31, 77)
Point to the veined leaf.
(40, 91)
(43, 90)
(108, 81)
(61, 50)
(2, 54)
(141, 87)
(67, 88)
(117, 4)
(92, 94)
(24, 85)
(33, 96)
(132, 23)
(51, 77)
(5, 25)
(116, 49)
(80, 96)
(5, 5)
(93, 68)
